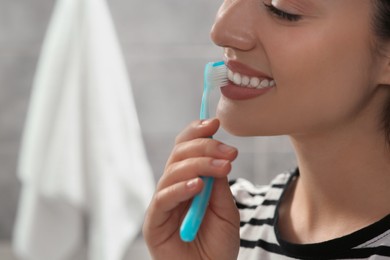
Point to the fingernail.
(219, 162)
(205, 122)
(192, 183)
(226, 148)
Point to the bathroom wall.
(166, 44)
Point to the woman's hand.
(194, 155)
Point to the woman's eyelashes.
(282, 14)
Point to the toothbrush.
(215, 75)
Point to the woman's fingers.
(194, 141)
(164, 207)
(193, 168)
(197, 155)
(194, 155)
(202, 147)
(198, 129)
(170, 197)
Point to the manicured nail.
(192, 183)
(226, 148)
(219, 162)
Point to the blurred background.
(165, 44)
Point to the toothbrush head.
(215, 76)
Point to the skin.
(329, 103)
(194, 155)
(331, 88)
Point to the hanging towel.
(83, 167)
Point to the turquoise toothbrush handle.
(195, 214)
(192, 221)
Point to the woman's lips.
(245, 82)
(234, 92)
(245, 69)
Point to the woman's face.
(311, 64)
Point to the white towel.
(82, 166)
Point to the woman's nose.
(234, 25)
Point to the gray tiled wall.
(166, 44)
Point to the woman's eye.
(281, 14)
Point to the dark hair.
(382, 19)
(381, 24)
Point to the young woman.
(319, 72)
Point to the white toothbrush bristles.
(217, 75)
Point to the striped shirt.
(259, 236)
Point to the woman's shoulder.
(248, 194)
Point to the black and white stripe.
(259, 235)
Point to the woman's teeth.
(250, 82)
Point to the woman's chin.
(235, 127)
(245, 127)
